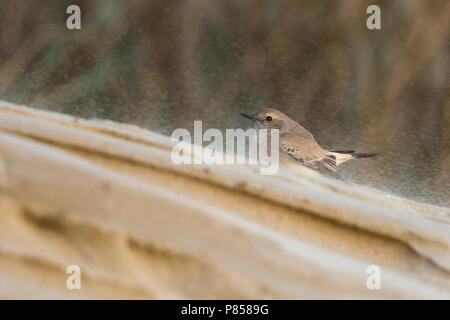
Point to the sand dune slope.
(106, 197)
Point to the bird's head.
(268, 118)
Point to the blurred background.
(163, 64)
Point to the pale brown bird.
(298, 146)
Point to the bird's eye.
(269, 118)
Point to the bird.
(297, 145)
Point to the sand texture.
(107, 197)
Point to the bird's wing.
(299, 144)
(315, 158)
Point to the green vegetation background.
(163, 64)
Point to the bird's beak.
(249, 116)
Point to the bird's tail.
(343, 156)
(364, 155)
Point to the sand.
(107, 197)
